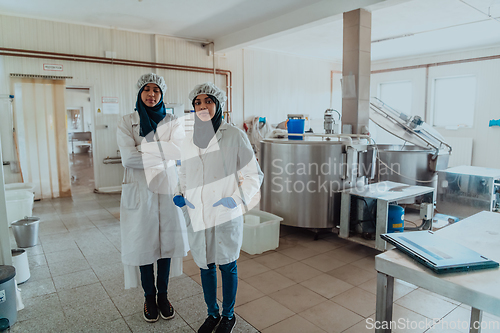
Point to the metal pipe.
(341, 136)
(426, 93)
(112, 160)
(107, 60)
(134, 63)
(331, 89)
(443, 63)
(119, 62)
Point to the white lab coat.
(226, 168)
(151, 226)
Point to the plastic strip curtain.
(40, 123)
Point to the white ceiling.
(199, 19)
(432, 25)
(436, 25)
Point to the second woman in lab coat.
(219, 177)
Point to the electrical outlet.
(426, 211)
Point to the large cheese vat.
(410, 164)
(302, 179)
(419, 159)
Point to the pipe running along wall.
(124, 62)
(426, 66)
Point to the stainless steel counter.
(466, 190)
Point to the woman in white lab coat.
(152, 228)
(219, 177)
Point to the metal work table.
(384, 193)
(479, 289)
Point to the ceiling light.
(389, 38)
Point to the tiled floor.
(76, 282)
(328, 285)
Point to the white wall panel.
(462, 151)
(180, 83)
(234, 62)
(103, 79)
(264, 84)
(484, 152)
(277, 84)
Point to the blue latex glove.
(180, 202)
(227, 202)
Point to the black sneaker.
(226, 325)
(150, 309)
(164, 307)
(210, 323)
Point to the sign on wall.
(110, 105)
(52, 67)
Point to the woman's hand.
(180, 202)
(227, 202)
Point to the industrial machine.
(466, 190)
(303, 179)
(331, 127)
(416, 163)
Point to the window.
(397, 95)
(453, 101)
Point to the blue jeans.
(148, 278)
(229, 287)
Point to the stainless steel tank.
(302, 179)
(416, 163)
(410, 165)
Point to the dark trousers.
(148, 278)
(229, 274)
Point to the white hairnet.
(152, 78)
(209, 88)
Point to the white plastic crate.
(19, 204)
(20, 186)
(261, 232)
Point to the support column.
(356, 67)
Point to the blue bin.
(295, 126)
(396, 219)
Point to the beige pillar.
(356, 67)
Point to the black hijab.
(150, 117)
(204, 131)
